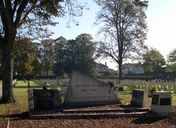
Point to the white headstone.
(161, 102)
(86, 91)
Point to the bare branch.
(7, 21)
(15, 3)
(19, 12)
(23, 19)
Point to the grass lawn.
(21, 83)
(174, 100)
(17, 110)
(19, 106)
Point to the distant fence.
(147, 76)
(151, 76)
(29, 77)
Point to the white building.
(132, 68)
(104, 69)
(101, 68)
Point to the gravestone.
(14, 82)
(87, 91)
(139, 98)
(41, 100)
(161, 102)
(30, 100)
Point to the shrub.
(151, 91)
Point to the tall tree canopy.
(59, 56)
(33, 14)
(37, 63)
(172, 57)
(171, 67)
(75, 54)
(24, 56)
(47, 54)
(124, 28)
(153, 61)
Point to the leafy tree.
(25, 14)
(59, 56)
(171, 67)
(75, 55)
(24, 56)
(47, 52)
(124, 28)
(84, 54)
(172, 57)
(153, 61)
(37, 63)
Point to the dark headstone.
(139, 98)
(44, 100)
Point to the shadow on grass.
(34, 86)
(24, 115)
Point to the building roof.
(131, 64)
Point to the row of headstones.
(148, 86)
(168, 87)
(151, 82)
(43, 100)
(161, 101)
(52, 84)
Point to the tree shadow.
(62, 115)
(148, 120)
(139, 119)
(24, 115)
(33, 86)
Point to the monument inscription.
(86, 91)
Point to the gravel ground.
(23, 121)
(3, 124)
(93, 123)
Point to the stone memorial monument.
(87, 91)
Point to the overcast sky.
(161, 21)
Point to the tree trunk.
(120, 70)
(47, 71)
(7, 70)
